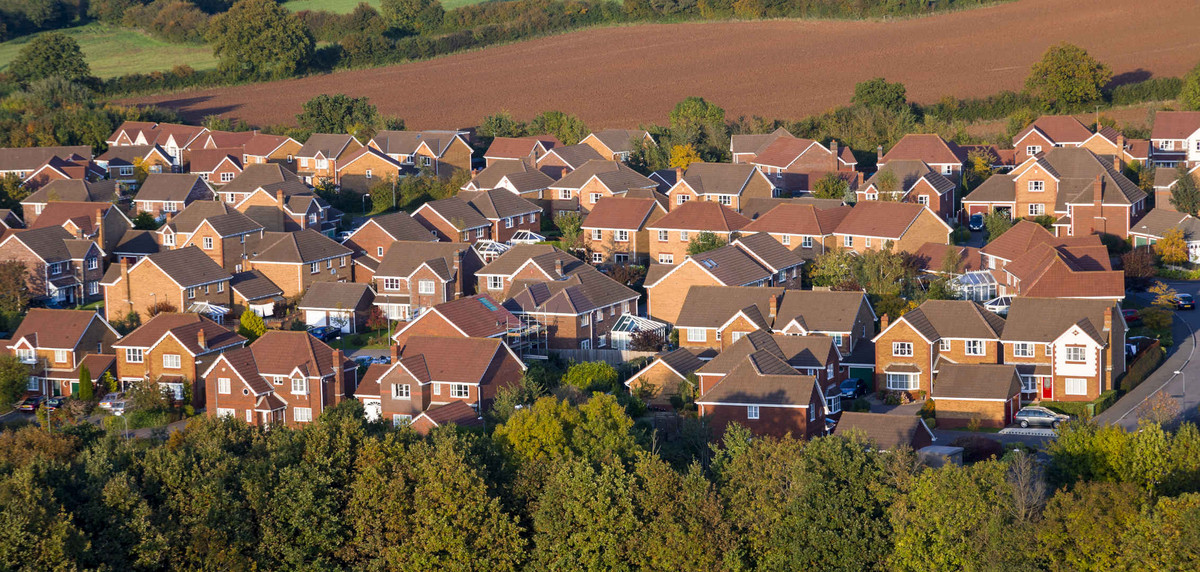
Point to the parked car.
(975, 222)
(384, 360)
(1040, 416)
(1132, 317)
(55, 402)
(325, 333)
(30, 404)
(117, 407)
(107, 401)
(853, 388)
(1184, 302)
(342, 236)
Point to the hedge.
(1084, 409)
(1142, 366)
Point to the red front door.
(1048, 388)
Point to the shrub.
(860, 404)
(1153, 89)
(929, 409)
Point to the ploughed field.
(623, 76)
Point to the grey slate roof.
(712, 306)
(613, 174)
(456, 211)
(937, 319)
(189, 266)
(328, 144)
(1157, 222)
(976, 381)
(403, 257)
(820, 311)
(337, 296)
(167, 187)
(1045, 319)
(254, 285)
(74, 190)
(268, 176)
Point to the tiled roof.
(768, 251)
(719, 178)
(909, 173)
(783, 151)
(137, 242)
(584, 289)
(573, 155)
(254, 285)
(269, 177)
(233, 223)
(763, 379)
(407, 142)
(879, 219)
(368, 385)
(299, 247)
(799, 219)
(1175, 124)
(713, 306)
(189, 219)
(30, 158)
(976, 381)
(1158, 221)
(460, 360)
(490, 176)
(754, 207)
(366, 150)
(621, 213)
(519, 254)
(401, 226)
(702, 216)
(620, 140)
(683, 360)
(478, 316)
(1061, 129)
(279, 352)
(261, 144)
(613, 174)
(498, 204)
(207, 160)
(57, 329)
(185, 328)
(188, 266)
(167, 187)
(328, 144)
(755, 142)
(931, 256)
(925, 147)
(732, 266)
(518, 147)
(74, 190)
(402, 258)
(1019, 239)
(455, 412)
(937, 319)
(820, 311)
(49, 243)
(242, 361)
(456, 211)
(887, 432)
(1043, 320)
(337, 296)
(81, 214)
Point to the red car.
(1131, 316)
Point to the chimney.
(1108, 319)
(772, 308)
(339, 376)
(833, 147)
(883, 322)
(566, 171)
(558, 269)
(100, 227)
(125, 280)
(395, 349)
(459, 278)
(1120, 143)
(168, 216)
(879, 154)
(678, 174)
(1098, 190)
(279, 197)
(201, 339)
(1098, 224)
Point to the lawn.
(346, 6)
(112, 51)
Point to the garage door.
(322, 318)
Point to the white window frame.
(1079, 383)
(944, 345)
(460, 391)
(664, 235)
(753, 412)
(597, 257)
(848, 241)
(975, 348)
(666, 258)
(1036, 186)
(61, 356)
(226, 177)
(1037, 209)
(902, 349)
(425, 287)
(696, 335)
(314, 268)
(621, 236)
(172, 361)
(401, 391)
(302, 414)
(903, 381)
(1032, 150)
(1070, 351)
(597, 234)
(134, 355)
(391, 283)
(299, 386)
(400, 419)
(495, 282)
(683, 235)
(1023, 349)
(207, 242)
(786, 240)
(806, 242)
(564, 194)
(168, 239)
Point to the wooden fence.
(610, 356)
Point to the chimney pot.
(558, 266)
(833, 146)
(883, 322)
(879, 154)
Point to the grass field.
(113, 51)
(345, 6)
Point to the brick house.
(526, 150)
(454, 220)
(102, 223)
(281, 212)
(67, 191)
(1165, 179)
(415, 276)
(671, 234)
(846, 317)
(755, 260)
(912, 182)
(1029, 261)
(1175, 138)
(277, 149)
(617, 144)
(1049, 132)
(229, 239)
(442, 152)
(267, 177)
(1082, 192)
(216, 166)
(222, 140)
(886, 432)
(988, 393)
(1158, 222)
(172, 350)
(519, 179)
(561, 160)
(57, 344)
(1108, 143)
(177, 229)
(597, 179)
(296, 260)
(169, 193)
(765, 394)
(72, 167)
(478, 316)
(808, 355)
(874, 225)
(940, 156)
(909, 350)
(659, 381)
(506, 212)
(319, 157)
(788, 156)
(121, 163)
(342, 305)
(433, 372)
(182, 278)
(23, 162)
(283, 377)
(455, 412)
(616, 230)
(716, 317)
(253, 291)
(724, 183)
(744, 148)
(1065, 350)
(806, 229)
(358, 170)
(372, 238)
(61, 269)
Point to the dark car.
(853, 388)
(1184, 302)
(1132, 317)
(1040, 416)
(325, 333)
(975, 222)
(55, 402)
(30, 404)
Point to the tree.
(501, 125)
(1189, 94)
(339, 113)
(646, 341)
(553, 429)
(259, 39)
(887, 185)
(694, 113)
(592, 376)
(1138, 263)
(941, 287)
(47, 55)
(161, 308)
(14, 291)
(1164, 296)
(1067, 77)
(585, 520)
(251, 326)
(1172, 247)
(570, 224)
(87, 391)
(145, 221)
(879, 93)
(14, 378)
(566, 128)
(996, 223)
(835, 269)
(1185, 193)
(412, 16)
(831, 186)
(979, 167)
(1083, 529)
(704, 241)
(683, 156)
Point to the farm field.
(623, 76)
(346, 6)
(112, 51)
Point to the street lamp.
(365, 197)
(1183, 397)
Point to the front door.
(1048, 388)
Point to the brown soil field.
(624, 76)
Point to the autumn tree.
(835, 269)
(1082, 529)
(1138, 263)
(1164, 296)
(1185, 193)
(1172, 247)
(259, 39)
(831, 186)
(704, 241)
(1067, 77)
(251, 326)
(978, 167)
(49, 54)
(683, 156)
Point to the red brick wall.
(666, 298)
(921, 357)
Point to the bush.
(929, 409)
(978, 448)
(860, 405)
(1153, 89)
(961, 235)
(931, 422)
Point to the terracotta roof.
(1175, 124)
(407, 142)
(886, 431)
(185, 328)
(1063, 273)
(30, 158)
(762, 379)
(720, 178)
(455, 412)
(169, 187)
(976, 381)
(909, 173)
(498, 204)
(478, 316)
(73, 190)
(459, 360)
(573, 155)
(188, 266)
(1076, 169)
(784, 151)
(132, 129)
(820, 311)
(1043, 320)
(799, 219)
(936, 319)
(207, 160)
(702, 216)
(656, 272)
(189, 219)
(490, 176)
(879, 219)
(621, 213)
(254, 285)
(279, 352)
(369, 385)
(931, 255)
(614, 175)
(732, 266)
(402, 258)
(183, 134)
(261, 144)
(1157, 222)
(754, 207)
(1061, 129)
(337, 296)
(299, 247)
(1018, 240)
(518, 147)
(620, 140)
(57, 329)
(267, 176)
(81, 214)
(755, 142)
(713, 306)
(457, 212)
(329, 145)
(926, 147)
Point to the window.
(479, 232)
(1033, 149)
(60, 356)
(508, 222)
(1037, 209)
(866, 242)
(902, 381)
(947, 169)
(682, 199)
(126, 171)
(302, 414)
(329, 263)
(1023, 349)
(812, 412)
(944, 345)
(34, 384)
(368, 173)
(168, 239)
(226, 412)
(133, 355)
(93, 263)
(593, 197)
(872, 196)
(315, 267)
(848, 241)
(621, 236)
(624, 307)
(171, 361)
(725, 200)
(585, 319)
(460, 390)
(564, 194)
(975, 348)
(1166, 146)
(1076, 386)
(597, 257)
(223, 385)
(391, 283)
(27, 355)
(902, 349)
(208, 243)
(1076, 354)
(696, 335)
(220, 286)
(379, 251)
(226, 177)
(191, 292)
(786, 240)
(401, 391)
(1028, 384)
(1046, 350)
(923, 200)
(597, 234)
(299, 386)
(602, 341)
(837, 341)
(666, 258)
(495, 283)
(663, 236)
(171, 206)
(752, 412)
(399, 419)
(425, 287)
(427, 161)
(683, 235)
(806, 242)
(312, 218)
(1037, 186)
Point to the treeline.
(582, 487)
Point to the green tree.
(883, 272)
(880, 93)
(704, 241)
(412, 16)
(501, 125)
(1067, 77)
(145, 221)
(87, 391)
(570, 224)
(1083, 529)
(941, 287)
(888, 185)
(12, 191)
(14, 378)
(694, 113)
(599, 430)
(1189, 94)
(259, 39)
(831, 186)
(1185, 193)
(339, 113)
(251, 326)
(14, 290)
(683, 527)
(592, 376)
(47, 55)
(996, 223)
(835, 269)
(566, 128)
(586, 519)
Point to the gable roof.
(519, 147)
(1077, 171)
(457, 360)
(399, 226)
(48, 243)
(364, 151)
(188, 266)
(931, 255)
(731, 265)
(573, 155)
(242, 361)
(714, 306)
(407, 142)
(498, 204)
(908, 173)
(925, 147)
(720, 178)
(208, 160)
(761, 378)
(404, 257)
(684, 361)
(490, 176)
(516, 257)
(784, 151)
(1175, 124)
(619, 140)
(455, 412)
(329, 145)
(1019, 239)
(1043, 320)
(621, 213)
(30, 158)
(582, 289)
(880, 219)
(299, 247)
(1157, 222)
(768, 251)
(267, 176)
(887, 432)
(337, 296)
(976, 381)
(280, 352)
(743, 143)
(936, 319)
(80, 214)
(262, 144)
(57, 329)
(799, 219)
(478, 316)
(820, 311)
(168, 187)
(254, 285)
(702, 216)
(1068, 271)
(185, 328)
(74, 190)
(755, 207)
(1060, 129)
(614, 175)
(456, 211)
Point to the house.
(415, 276)
(135, 245)
(1110, 144)
(455, 413)
(754, 208)
(1165, 179)
(23, 162)
(364, 167)
(285, 378)
(121, 163)
(1064, 350)
(616, 230)
(1157, 222)
(297, 260)
(876, 225)
(968, 277)
(910, 349)
(342, 305)
(746, 147)
(69, 191)
(102, 223)
(266, 177)
(566, 296)
(1083, 193)
(617, 144)
(215, 166)
(524, 149)
(282, 212)
(845, 317)
(9, 221)
(373, 237)
(594, 180)
(912, 182)
(886, 432)
(441, 152)
(716, 317)
(229, 239)
(478, 316)
(518, 178)
(57, 344)
(184, 279)
(62, 269)
(671, 234)
(989, 394)
(454, 220)
(253, 291)
(1029, 261)
(764, 394)
(132, 133)
(788, 156)
(177, 229)
(506, 212)
(278, 149)
(940, 156)
(1175, 138)
(164, 193)
(435, 372)
(73, 167)
(320, 155)
(1049, 132)
(724, 183)
(756, 260)
(659, 381)
(561, 160)
(223, 140)
(804, 228)
(172, 350)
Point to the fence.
(610, 356)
